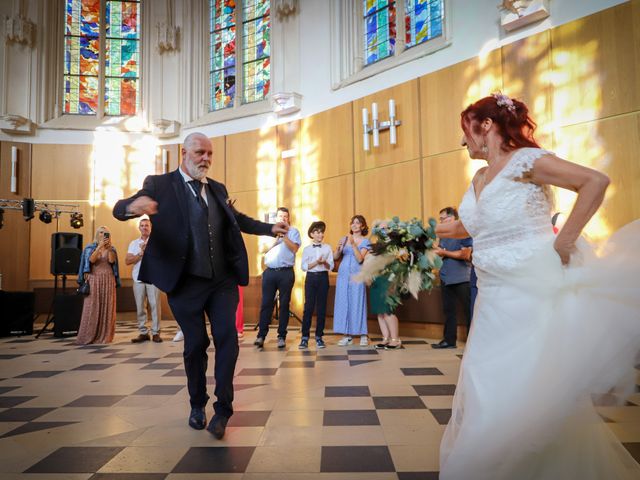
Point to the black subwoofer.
(16, 313)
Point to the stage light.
(76, 220)
(28, 208)
(45, 216)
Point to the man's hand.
(439, 251)
(280, 228)
(143, 205)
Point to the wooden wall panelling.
(173, 157)
(251, 160)
(526, 68)
(40, 243)
(408, 134)
(289, 171)
(255, 204)
(596, 72)
(326, 144)
(446, 178)
(333, 198)
(14, 235)
(389, 191)
(445, 93)
(63, 172)
(217, 171)
(610, 145)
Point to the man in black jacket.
(197, 256)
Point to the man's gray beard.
(195, 173)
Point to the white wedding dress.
(544, 338)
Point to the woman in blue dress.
(350, 310)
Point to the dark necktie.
(314, 246)
(196, 186)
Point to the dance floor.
(120, 411)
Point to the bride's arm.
(589, 184)
(453, 229)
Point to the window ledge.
(246, 110)
(92, 122)
(409, 54)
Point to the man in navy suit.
(197, 256)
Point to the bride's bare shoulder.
(479, 176)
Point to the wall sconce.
(14, 169)
(377, 126)
(165, 160)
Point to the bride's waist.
(501, 237)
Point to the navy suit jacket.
(166, 253)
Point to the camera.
(107, 234)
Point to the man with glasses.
(454, 279)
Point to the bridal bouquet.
(403, 253)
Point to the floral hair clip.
(504, 101)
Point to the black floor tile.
(398, 403)
(300, 364)
(174, 355)
(94, 366)
(159, 390)
(249, 418)
(4, 390)
(160, 366)
(122, 355)
(40, 374)
(350, 391)
(96, 401)
(420, 371)
(7, 356)
(442, 415)
(355, 363)
(334, 418)
(141, 360)
(35, 427)
(178, 372)
(215, 460)
(356, 459)
(8, 402)
(434, 390)
(75, 460)
(331, 358)
(23, 414)
(237, 388)
(128, 476)
(301, 353)
(418, 475)
(106, 350)
(257, 371)
(21, 340)
(48, 352)
(415, 342)
(634, 449)
(364, 351)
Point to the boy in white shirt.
(317, 261)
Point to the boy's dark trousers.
(316, 289)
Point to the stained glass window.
(380, 29)
(84, 49)
(423, 20)
(256, 51)
(222, 53)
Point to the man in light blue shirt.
(278, 277)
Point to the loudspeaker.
(66, 249)
(16, 313)
(67, 313)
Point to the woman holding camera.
(99, 267)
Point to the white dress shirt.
(311, 254)
(203, 180)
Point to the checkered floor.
(120, 411)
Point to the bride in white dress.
(553, 323)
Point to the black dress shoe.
(443, 344)
(197, 418)
(217, 426)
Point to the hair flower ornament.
(504, 101)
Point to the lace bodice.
(511, 218)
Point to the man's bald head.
(188, 141)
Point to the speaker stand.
(50, 316)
